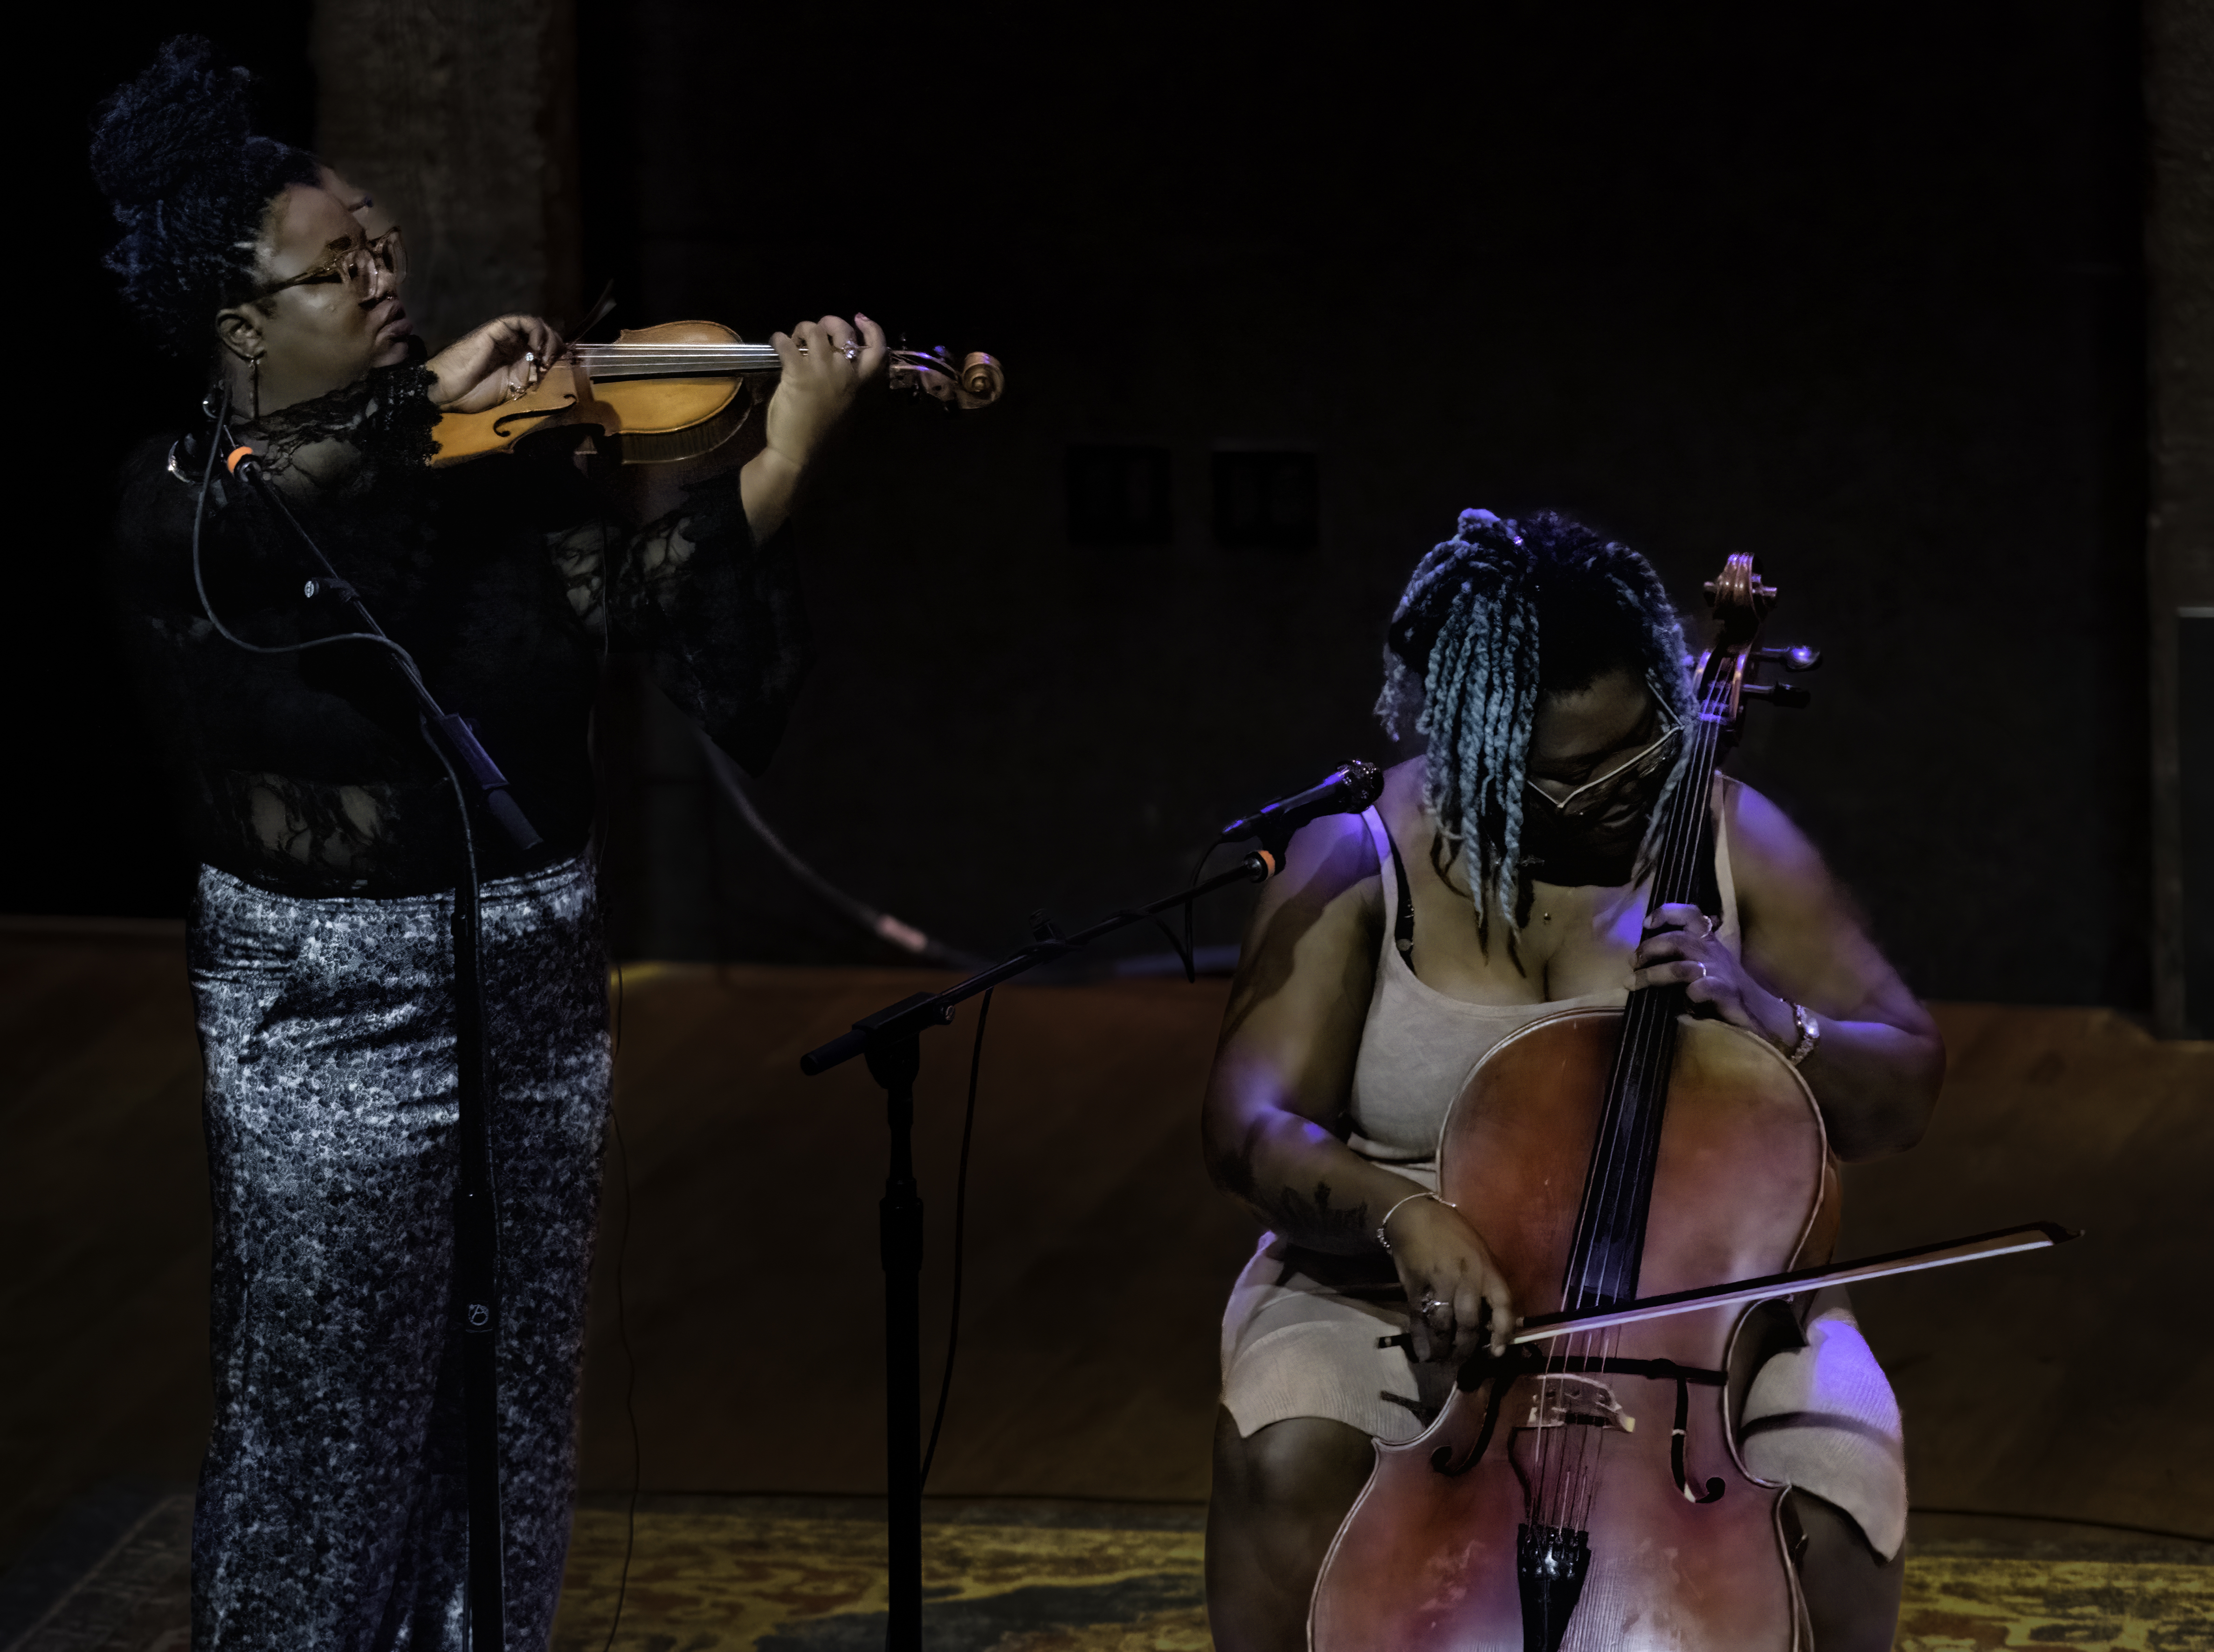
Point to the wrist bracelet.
(1810, 1034)
(1421, 1193)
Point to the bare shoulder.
(1804, 934)
(1327, 861)
(1315, 925)
(1767, 849)
(1401, 804)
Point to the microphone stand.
(453, 740)
(890, 1041)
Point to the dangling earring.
(256, 365)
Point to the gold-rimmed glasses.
(1596, 796)
(356, 264)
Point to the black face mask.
(1597, 848)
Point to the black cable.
(1189, 951)
(622, 1333)
(199, 510)
(470, 921)
(1050, 948)
(469, 913)
(882, 925)
(960, 1227)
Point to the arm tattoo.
(1315, 1219)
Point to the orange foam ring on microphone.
(236, 458)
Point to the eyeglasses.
(357, 267)
(1594, 797)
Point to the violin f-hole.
(500, 425)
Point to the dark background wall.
(1858, 290)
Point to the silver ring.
(530, 356)
(1702, 969)
(852, 349)
(1431, 1305)
(1711, 926)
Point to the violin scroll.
(977, 381)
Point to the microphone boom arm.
(916, 1014)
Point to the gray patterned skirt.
(332, 1510)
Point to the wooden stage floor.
(2065, 1387)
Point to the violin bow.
(2004, 1241)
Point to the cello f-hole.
(1442, 1461)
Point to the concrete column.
(461, 116)
(2180, 537)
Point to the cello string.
(1567, 1477)
(1566, 1481)
(1645, 1032)
(1682, 832)
(1632, 1123)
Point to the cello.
(1588, 1492)
(677, 391)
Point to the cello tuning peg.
(1801, 659)
(1777, 693)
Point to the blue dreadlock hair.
(191, 185)
(1493, 617)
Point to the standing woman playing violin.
(332, 1508)
(1500, 879)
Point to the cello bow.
(1977, 1247)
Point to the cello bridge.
(1562, 1401)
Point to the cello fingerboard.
(1609, 1244)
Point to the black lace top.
(307, 772)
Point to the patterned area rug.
(748, 1575)
(1979, 1602)
(801, 1575)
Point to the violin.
(677, 391)
(1586, 1489)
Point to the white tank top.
(1419, 1046)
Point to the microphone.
(1348, 791)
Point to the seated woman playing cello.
(1500, 879)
